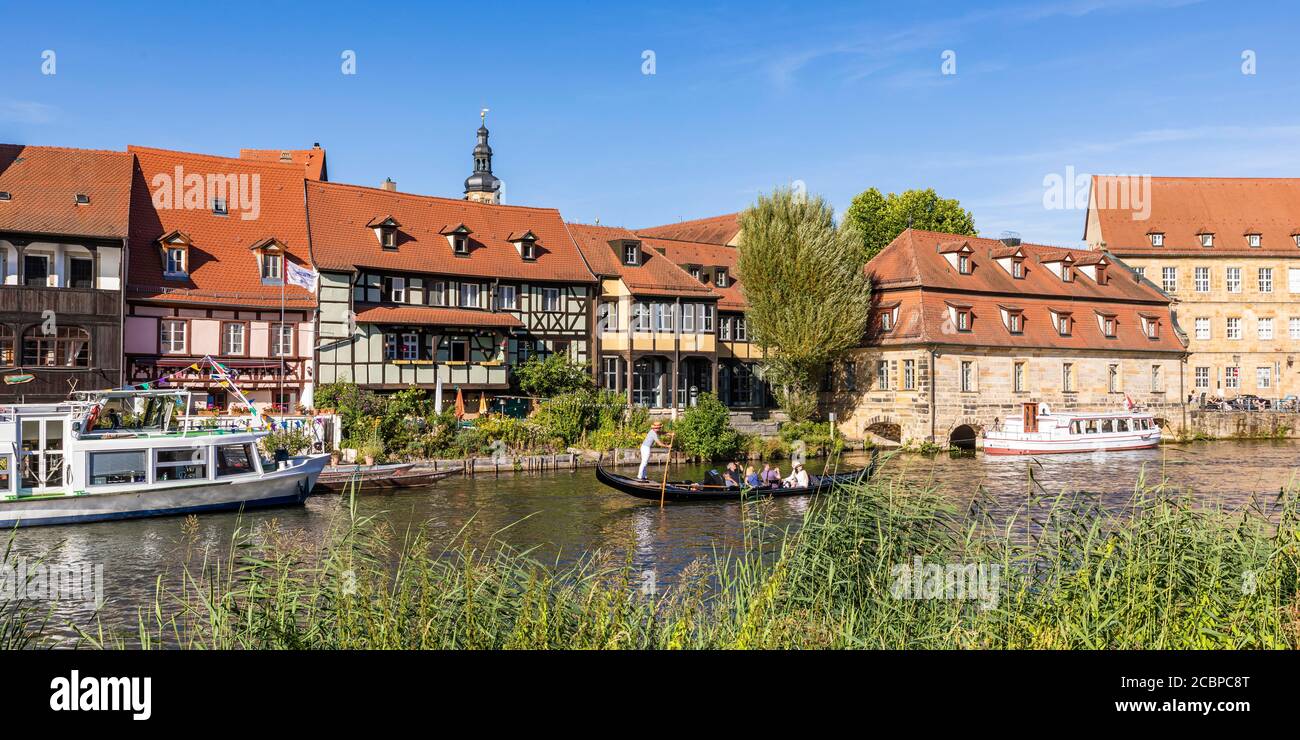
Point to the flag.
(303, 277)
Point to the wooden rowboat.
(692, 491)
(378, 477)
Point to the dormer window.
(270, 257)
(1064, 324)
(1018, 268)
(720, 277)
(219, 207)
(1067, 274)
(388, 238)
(83, 199)
(460, 244)
(1101, 273)
(525, 243)
(272, 266)
(1157, 239)
(1297, 239)
(1151, 327)
(698, 274)
(385, 231)
(963, 264)
(1207, 240)
(961, 316)
(1253, 241)
(1106, 322)
(631, 253)
(1015, 318)
(888, 317)
(175, 250)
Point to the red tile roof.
(1181, 208)
(341, 239)
(713, 230)
(913, 274)
(223, 269)
(657, 275)
(434, 316)
(311, 160)
(43, 182)
(708, 256)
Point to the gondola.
(694, 491)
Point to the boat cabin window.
(188, 464)
(1092, 426)
(1107, 426)
(113, 468)
(6, 473)
(234, 460)
(1121, 425)
(1076, 427)
(154, 414)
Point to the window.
(1234, 328)
(1018, 269)
(551, 299)
(887, 320)
(232, 338)
(1231, 377)
(720, 278)
(1151, 327)
(172, 338)
(234, 460)
(1264, 327)
(81, 273)
(688, 318)
(1112, 378)
(963, 319)
(741, 330)
(66, 346)
(611, 373)
(115, 468)
(967, 376)
(1293, 279)
(282, 340)
(36, 270)
(1202, 328)
(438, 294)
(631, 254)
(963, 264)
(1202, 280)
(82, 199)
(1067, 377)
(1292, 329)
(186, 464)
(1253, 240)
(388, 238)
(271, 266)
(1018, 377)
(882, 374)
(175, 262)
(909, 375)
(410, 346)
(696, 273)
(1156, 385)
(1064, 324)
(851, 376)
(5, 195)
(1207, 240)
(6, 348)
(1067, 275)
(219, 206)
(469, 295)
(724, 328)
(663, 314)
(1263, 377)
(395, 289)
(506, 297)
(1202, 377)
(1108, 326)
(1169, 279)
(1233, 279)
(706, 318)
(390, 346)
(460, 244)
(1015, 322)
(1141, 272)
(528, 249)
(1266, 280)
(1157, 240)
(640, 316)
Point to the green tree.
(807, 292)
(880, 218)
(705, 430)
(553, 376)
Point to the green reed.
(1160, 572)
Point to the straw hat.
(657, 425)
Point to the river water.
(564, 514)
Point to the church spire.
(482, 185)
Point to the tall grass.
(1160, 572)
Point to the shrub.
(705, 430)
(815, 436)
(553, 376)
(295, 441)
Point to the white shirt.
(650, 438)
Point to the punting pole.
(663, 487)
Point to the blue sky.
(745, 96)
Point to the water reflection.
(564, 514)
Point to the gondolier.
(651, 439)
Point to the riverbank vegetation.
(872, 566)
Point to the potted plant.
(373, 447)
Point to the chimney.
(389, 185)
(285, 156)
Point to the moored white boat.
(126, 454)
(1039, 431)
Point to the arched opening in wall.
(888, 430)
(962, 437)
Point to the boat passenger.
(798, 477)
(751, 478)
(651, 439)
(771, 477)
(731, 477)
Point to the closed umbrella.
(482, 404)
(437, 397)
(460, 404)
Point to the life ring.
(91, 418)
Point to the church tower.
(483, 186)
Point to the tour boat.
(128, 453)
(1039, 431)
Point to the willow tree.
(807, 292)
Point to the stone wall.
(1244, 424)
